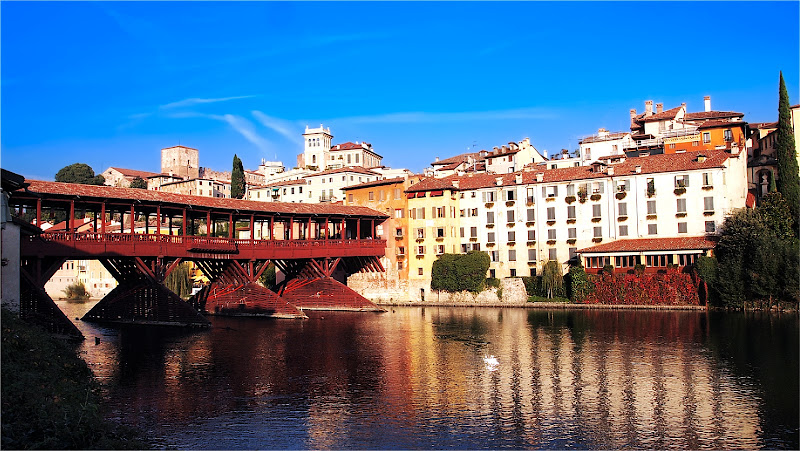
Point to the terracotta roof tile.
(134, 172)
(285, 183)
(711, 123)
(375, 183)
(69, 190)
(664, 115)
(701, 115)
(651, 244)
(464, 157)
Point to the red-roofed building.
(319, 153)
(122, 177)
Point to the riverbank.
(50, 398)
(545, 305)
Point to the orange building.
(388, 196)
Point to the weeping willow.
(179, 281)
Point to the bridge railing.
(90, 242)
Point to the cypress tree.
(237, 178)
(786, 153)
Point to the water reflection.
(415, 378)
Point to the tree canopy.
(79, 173)
(552, 278)
(460, 272)
(788, 172)
(138, 182)
(237, 179)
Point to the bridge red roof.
(110, 193)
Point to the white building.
(319, 154)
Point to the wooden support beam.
(103, 217)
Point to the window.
(399, 266)
(440, 232)
(473, 212)
(371, 193)
(549, 191)
(356, 158)
(420, 233)
(596, 209)
(513, 272)
(398, 212)
(512, 236)
(570, 190)
(681, 205)
(381, 195)
(511, 194)
(398, 232)
(473, 232)
(651, 207)
(623, 186)
(572, 233)
(728, 133)
(476, 246)
(488, 196)
(490, 217)
(598, 188)
(461, 232)
(462, 213)
(529, 196)
(396, 193)
(598, 232)
(420, 251)
(495, 256)
(553, 254)
(711, 227)
(695, 143)
(571, 212)
(531, 215)
(440, 249)
(622, 209)
(681, 181)
(551, 234)
(531, 255)
(551, 213)
(510, 216)
(708, 204)
(531, 235)
(348, 158)
(682, 227)
(707, 179)
(671, 145)
(652, 229)
(464, 248)
(512, 255)
(706, 137)
(490, 237)
(419, 271)
(623, 230)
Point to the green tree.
(579, 286)
(775, 212)
(179, 281)
(267, 278)
(138, 182)
(552, 278)
(786, 153)
(460, 272)
(79, 173)
(237, 179)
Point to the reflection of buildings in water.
(649, 384)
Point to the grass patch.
(50, 398)
(544, 299)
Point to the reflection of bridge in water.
(315, 246)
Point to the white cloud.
(286, 128)
(197, 101)
(416, 117)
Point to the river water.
(457, 378)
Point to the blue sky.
(110, 84)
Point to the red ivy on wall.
(668, 288)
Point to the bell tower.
(317, 147)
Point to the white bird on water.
(491, 362)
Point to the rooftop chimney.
(518, 179)
(498, 181)
(539, 176)
(437, 159)
(648, 107)
(707, 103)
(638, 169)
(455, 183)
(610, 170)
(633, 113)
(659, 108)
(683, 105)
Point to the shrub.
(460, 272)
(578, 287)
(76, 291)
(492, 282)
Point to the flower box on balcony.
(679, 190)
(708, 213)
(489, 204)
(530, 223)
(529, 203)
(596, 240)
(419, 240)
(439, 238)
(490, 226)
(473, 239)
(510, 203)
(551, 222)
(550, 199)
(510, 225)
(532, 243)
(569, 199)
(622, 218)
(551, 242)
(707, 188)
(651, 216)
(597, 219)
(571, 221)
(595, 197)
(511, 243)
(621, 195)
(571, 241)
(680, 215)
(489, 244)
(531, 263)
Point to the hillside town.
(653, 195)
